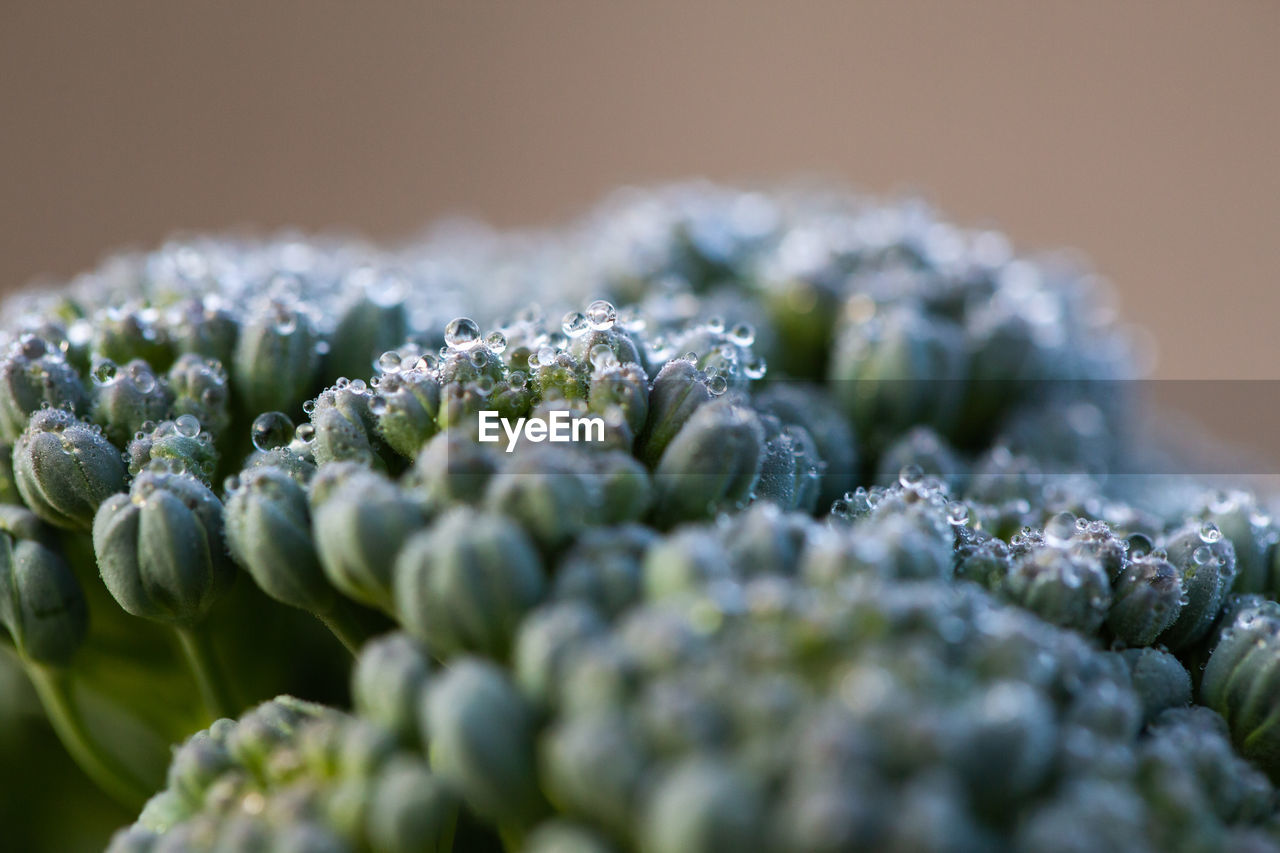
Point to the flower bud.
(1061, 586)
(452, 468)
(1206, 563)
(924, 448)
(711, 465)
(545, 640)
(682, 562)
(624, 387)
(198, 762)
(406, 405)
(387, 684)
(1145, 601)
(410, 810)
(545, 489)
(763, 540)
(178, 445)
(33, 374)
(365, 330)
(1242, 683)
(898, 368)
(131, 398)
(677, 391)
(622, 485)
(160, 548)
(343, 425)
(65, 468)
(359, 520)
(276, 359)
(1159, 679)
(199, 387)
(702, 806)
(41, 603)
(809, 407)
(482, 742)
(121, 335)
(593, 765)
(791, 471)
(202, 330)
(465, 583)
(269, 533)
(559, 836)
(982, 558)
(602, 568)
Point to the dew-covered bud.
(33, 374)
(546, 490)
(593, 765)
(387, 685)
(359, 520)
(203, 330)
(482, 742)
(366, 329)
(65, 468)
(763, 540)
(924, 448)
(452, 468)
(622, 485)
(1241, 681)
(276, 359)
(41, 603)
(898, 368)
(199, 387)
(792, 468)
(1159, 679)
(1145, 601)
(1061, 586)
(603, 568)
(911, 543)
(711, 465)
(343, 425)
(406, 404)
(809, 407)
(677, 392)
(160, 548)
(410, 810)
(624, 387)
(702, 806)
(982, 558)
(1242, 520)
(121, 335)
(178, 445)
(465, 583)
(269, 533)
(129, 400)
(1206, 564)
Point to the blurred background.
(1146, 136)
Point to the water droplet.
(496, 341)
(389, 362)
(517, 379)
(187, 425)
(743, 335)
(358, 386)
(717, 384)
(461, 333)
(305, 432)
(1202, 555)
(483, 386)
(271, 430)
(574, 324)
(104, 372)
(601, 315)
(755, 367)
(378, 405)
(31, 346)
(602, 356)
(309, 406)
(546, 355)
(957, 513)
(715, 324)
(478, 358)
(1062, 527)
(231, 484)
(1209, 532)
(910, 476)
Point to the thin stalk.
(351, 624)
(54, 689)
(210, 679)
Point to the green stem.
(351, 624)
(213, 686)
(54, 689)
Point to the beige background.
(1144, 133)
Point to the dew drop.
(305, 432)
(1202, 555)
(187, 425)
(717, 384)
(1062, 527)
(957, 513)
(574, 324)
(517, 380)
(743, 335)
(358, 386)
(910, 476)
(104, 372)
(389, 362)
(601, 315)
(378, 405)
(271, 430)
(31, 346)
(461, 333)
(496, 341)
(309, 406)
(1209, 532)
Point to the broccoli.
(857, 553)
